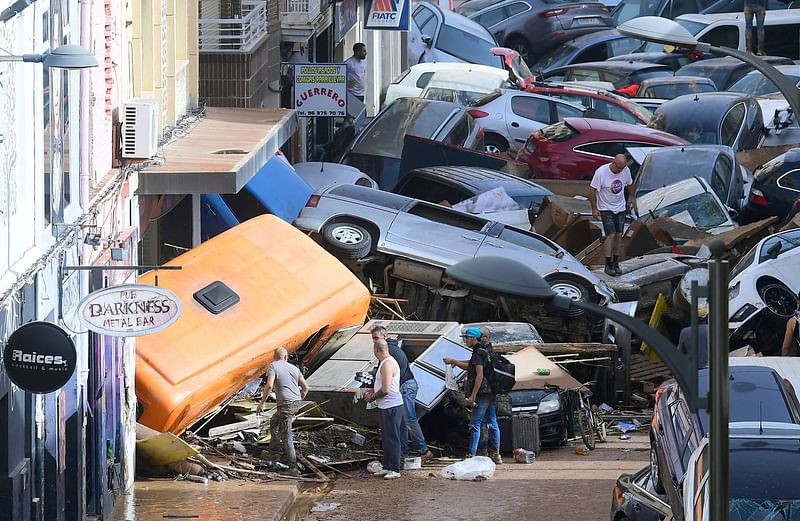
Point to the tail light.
(630, 90)
(480, 134)
(659, 392)
(548, 13)
(477, 114)
(757, 198)
(796, 205)
(312, 202)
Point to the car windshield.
(554, 57)
(758, 509)
(755, 83)
(466, 46)
(694, 129)
(743, 263)
(664, 167)
(701, 211)
(384, 137)
(673, 90)
(462, 97)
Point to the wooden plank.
(311, 466)
(234, 427)
(561, 348)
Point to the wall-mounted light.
(71, 57)
(92, 239)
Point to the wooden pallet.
(643, 370)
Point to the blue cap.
(474, 332)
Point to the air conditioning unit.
(139, 128)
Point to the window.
(371, 196)
(584, 75)
(536, 109)
(722, 36)
(423, 80)
(787, 241)
(459, 133)
(595, 53)
(790, 180)
(743, 264)
(244, 205)
(524, 240)
(466, 46)
(573, 98)
(608, 148)
(517, 8)
(449, 217)
(731, 124)
(426, 21)
(679, 7)
(567, 111)
(721, 177)
(607, 110)
(430, 190)
(492, 17)
(558, 132)
(623, 46)
(363, 181)
(781, 40)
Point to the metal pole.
(718, 383)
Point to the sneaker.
(382, 472)
(427, 456)
(496, 458)
(391, 475)
(468, 456)
(617, 269)
(610, 270)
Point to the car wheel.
(494, 144)
(655, 471)
(625, 291)
(347, 240)
(521, 46)
(778, 298)
(571, 288)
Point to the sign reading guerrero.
(320, 89)
(39, 357)
(129, 310)
(388, 15)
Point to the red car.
(574, 148)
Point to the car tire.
(778, 298)
(655, 470)
(521, 46)
(347, 240)
(572, 288)
(494, 144)
(625, 291)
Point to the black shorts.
(613, 222)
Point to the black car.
(458, 183)
(674, 60)
(717, 164)
(726, 71)
(624, 75)
(535, 27)
(596, 46)
(756, 393)
(775, 189)
(713, 118)
(635, 499)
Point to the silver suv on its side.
(355, 222)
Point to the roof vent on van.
(216, 297)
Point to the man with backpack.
(479, 394)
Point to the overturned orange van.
(258, 286)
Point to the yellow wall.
(164, 55)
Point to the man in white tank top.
(386, 393)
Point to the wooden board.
(164, 449)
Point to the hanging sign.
(388, 15)
(39, 357)
(320, 89)
(129, 310)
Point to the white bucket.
(412, 463)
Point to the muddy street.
(560, 485)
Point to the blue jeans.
(391, 419)
(758, 11)
(411, 426)
(484, 408)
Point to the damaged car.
(763, 290)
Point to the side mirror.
(427, 40)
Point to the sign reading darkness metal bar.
(39, 357)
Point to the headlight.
(549, 403)
(733, 291)
(743, 312)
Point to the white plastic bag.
(450, 378)
(470, 469)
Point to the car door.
(434, 234)
(525, 247)
(424, 22)
(732, 126)
(524, 115)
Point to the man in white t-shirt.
(609, 196)
(357, 71)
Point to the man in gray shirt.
(685, 338)
(290, 388)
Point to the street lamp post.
(70, 57)
(668, 32)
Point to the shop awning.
(220, 153)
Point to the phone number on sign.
(335, 113)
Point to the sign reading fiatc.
(387, 15)
(129, 310)
(320, 89)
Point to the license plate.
(592, 20)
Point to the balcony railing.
(299, 12)
(235, 34)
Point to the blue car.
(276, 188)
(592, 47)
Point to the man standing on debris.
(610, 197)
(390, 403)
(480, 399)
(409, 389)
(290, 389)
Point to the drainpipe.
(85, 107)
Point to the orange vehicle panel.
(289, 289)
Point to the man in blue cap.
(479, 397)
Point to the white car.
(413, 81)
(463, 87)
(766, 278)
(321, 174)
